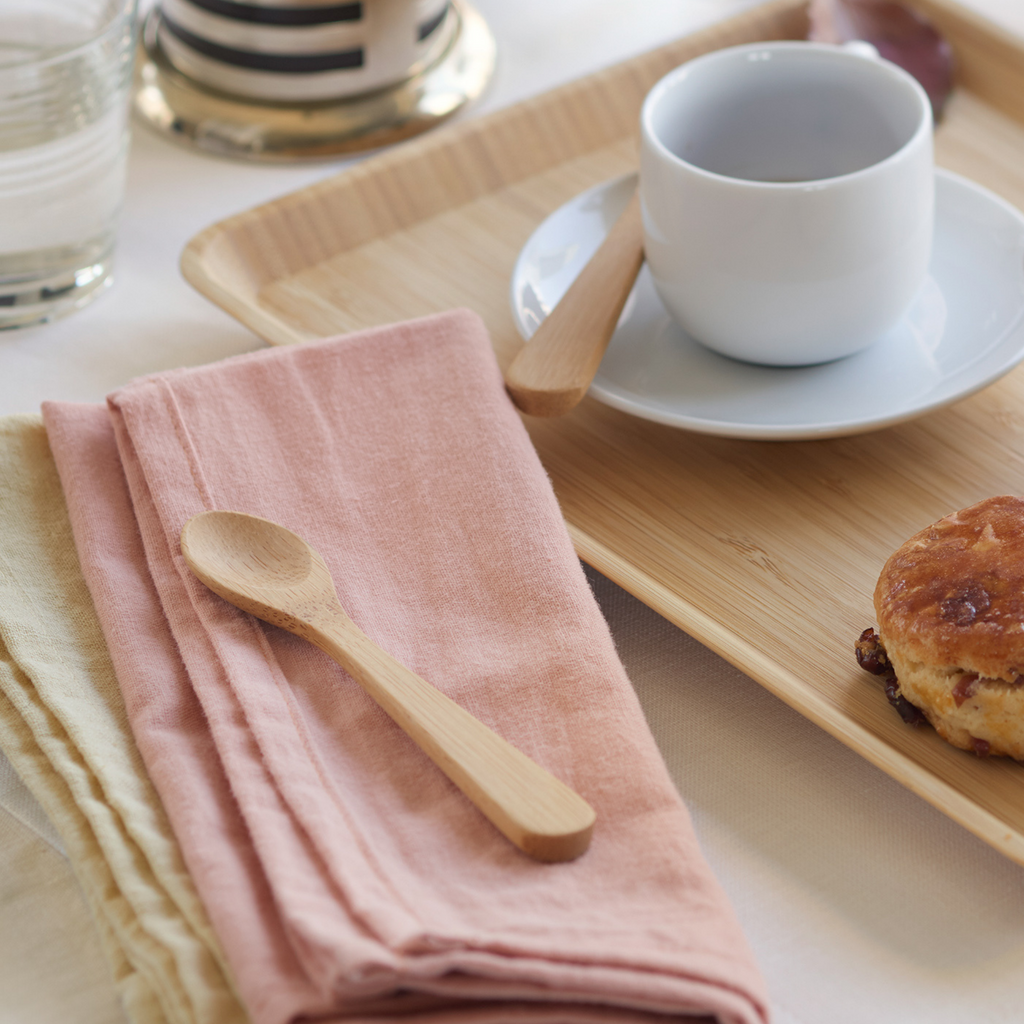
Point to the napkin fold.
(64, 729)
(52, 965)
(346, 877)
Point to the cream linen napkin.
(64, 729)
(51, 965)
(346, 877)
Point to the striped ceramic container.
(286, 51)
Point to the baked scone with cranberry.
(950, 642)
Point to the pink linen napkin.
(346, 876)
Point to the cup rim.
(124, 11)
(894, 71)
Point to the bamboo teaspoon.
(552, 371)
(270, 572)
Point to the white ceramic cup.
(788, 196)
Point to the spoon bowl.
(239, 547)
(264, 569)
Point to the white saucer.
(964, 331)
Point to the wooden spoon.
(553, 370)
(268, 571)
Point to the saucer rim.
(792, 431)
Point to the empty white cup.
(788, 196)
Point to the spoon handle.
(553, 370)
(534, 810)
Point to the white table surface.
(862, 903)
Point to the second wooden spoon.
(270, 572)
(553, 370)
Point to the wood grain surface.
(766, 551)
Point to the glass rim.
(124, 11)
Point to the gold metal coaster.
(249, 129)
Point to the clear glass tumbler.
(65, 82)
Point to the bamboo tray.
(766, 552)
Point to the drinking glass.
(65, 80)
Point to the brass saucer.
(218, 122)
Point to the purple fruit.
(898, 33)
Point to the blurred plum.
(897, 32)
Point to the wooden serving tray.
(766, 552)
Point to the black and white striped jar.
(311, 50)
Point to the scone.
(950, 643)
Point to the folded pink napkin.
(346, 876)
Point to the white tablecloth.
(862, 902)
